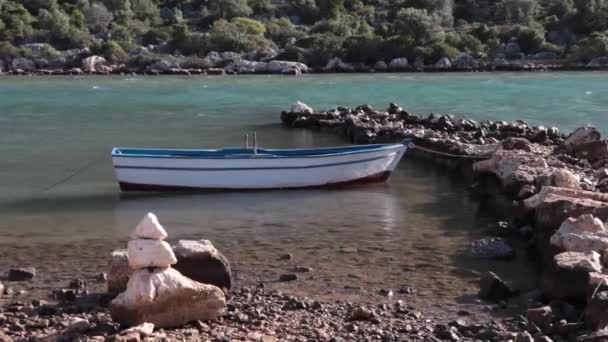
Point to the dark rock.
(77, 284)
(386, 292)
(596, 336)
(446, 332)
(540, 316)
(21, 274)
(288, 277)
(517, 144)
(287, 256)
(302, 269)
(492, 248)
(492, 287)
(596, 314)
(593, 151)
(361, 314)
(202, 262)
(393, 108)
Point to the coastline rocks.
(21, 274)
(492, 248)
(167, 299)
(162, 66)
(280, 67)
(443, 63)
(119, 273)
(202, 262)
(399, 64)
(243, 66)
(22, 63)
(492, 287)
(300, 108)
(585, 233)
(598, 62)
(150, 253)
(464, 61)
(380, 66)
(93, 64)
(336, 65)
(592, 151)
(580, 136)
(576, 268)
(149, 228)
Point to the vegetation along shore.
(298, 36)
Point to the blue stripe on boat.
(242, 153)
(250, 168)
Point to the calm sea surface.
(61, 210)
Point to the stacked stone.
(156, 293)
(147, 248)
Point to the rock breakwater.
(556, 182)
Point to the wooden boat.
(140, 169)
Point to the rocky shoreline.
(554, 184)
(83, 62)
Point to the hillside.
(360, 32)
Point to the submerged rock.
(21, 274)
(167, 299)
(492, 248)
(492, 287)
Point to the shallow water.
(62, 212)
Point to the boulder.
(399, 64)
(213, 58)
(582, 234)
(165, 298)
(491, 287)
(300, 108)
(149, 228)
(598, 62)
(336, 64)
(464, 61)
(552, 206)
(279, 67)
(576, 268)
(161, 65)
(202, 262)
(540, 316)
(380, 66)
(563, 178)
(93, 63)
(149, 253)
(593, 151)
(580, 136)
(443, 63)
(120, 271)
(23, 63)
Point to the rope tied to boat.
(77, 172)
(445, 154)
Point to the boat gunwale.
(266, 153)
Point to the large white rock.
(165, 298)
(300, 108)
(150, 253)
(580, 136)
(398, 64)
(582, 234)
(149, 228)
(93, 63)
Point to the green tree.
(417, 25)
(97, 17)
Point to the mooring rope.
(79, 171)
(445, 154)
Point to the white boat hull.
(141, 173)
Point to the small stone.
(524, 337)
(288, 277)
(148, 228)
(287, 256)
(21, 274)
(386, 292)
(144, 329)
(407, 290)
(268, 338)
(302, 269)
(493, 288)
(202, 326)
(361, 314)
(77, 325)
(540, 316)
(77, 284)
(101, 277)
(130, 337)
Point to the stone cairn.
(157, 293)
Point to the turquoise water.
(60, 205)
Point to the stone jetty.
(557, 184)
(155, 292)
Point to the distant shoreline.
(222, 72)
